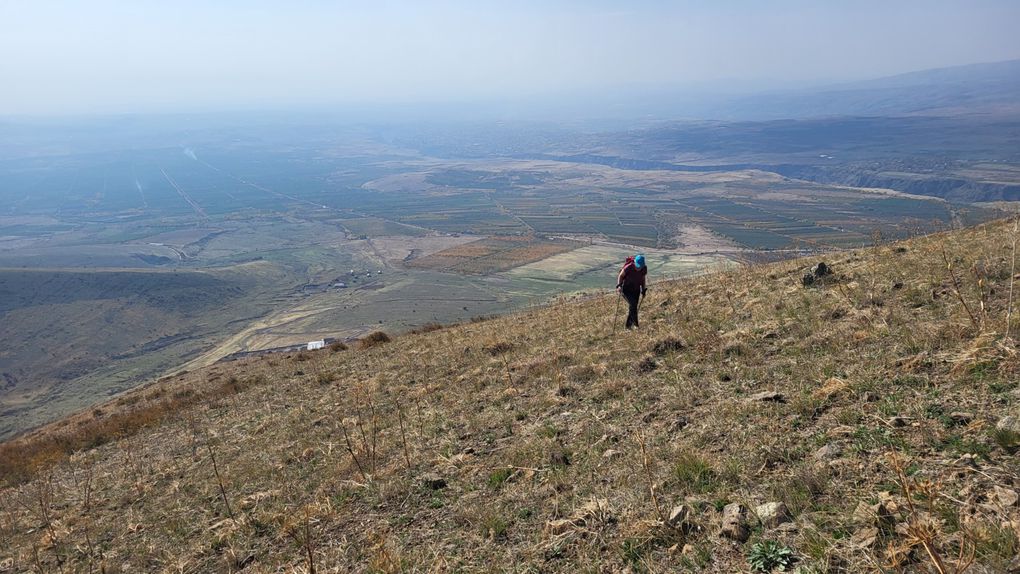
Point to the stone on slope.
(433, 481)
(1010, 423)
(961, 417)
(815, 273)
(772, 514)
(1006, 496)
(734, 522)
(681, 517)
(878, 515)
(828, 452)
(767, 397)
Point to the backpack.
(632, 276)
(629, 267)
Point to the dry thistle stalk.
(302, 537)
(219, 479)
(646, 467)
(956, 290)
(1012, 275)
(403, 436)
(350, 450)
(922, 529)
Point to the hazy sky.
(140, 55)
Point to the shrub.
(373, 340)
(426, 328)
(498, 348)
(337, 346)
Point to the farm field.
(493, 254)
(590, 267)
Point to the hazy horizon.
(111, 57)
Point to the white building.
(314, 345)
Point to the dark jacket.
(632, 279)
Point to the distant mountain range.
(976, 88)
(987, 88)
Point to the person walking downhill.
(631, 284)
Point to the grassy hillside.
(873, 405)
(70, 336)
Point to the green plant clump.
(768, 556)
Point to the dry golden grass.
(549, 442)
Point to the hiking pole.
(616, 314)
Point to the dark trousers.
(633, 298)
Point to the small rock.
(815, 273)
(767, 396)
(610, 453)
(828, 452)
(680, 517)
(772, 514)
(1006, 497)
(734, 522)
(433, 481)
(865, 537)
(1009, 423)
(961, 417)
(787, 527)
(875, 515)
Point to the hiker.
(631, 284)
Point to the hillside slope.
(874, 405)
(68, 336)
